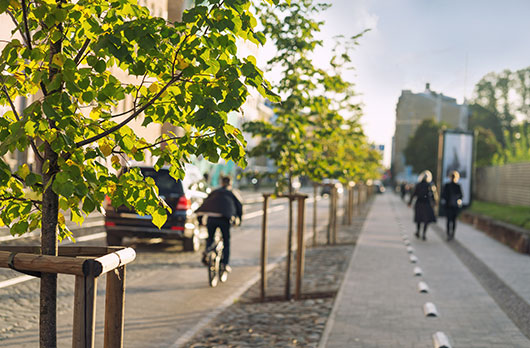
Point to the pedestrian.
(222, 209)
(403, 190)
(452, 202)
(426, 196)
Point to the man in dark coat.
(425, 194)
(222, 208)
(452, 201)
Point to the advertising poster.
(458, 155)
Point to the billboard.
(458, 155)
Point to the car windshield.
(166, 184)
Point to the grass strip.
(512, 214)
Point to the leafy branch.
(130, 118)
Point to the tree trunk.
(48, 283)
(289, 242)
(50, 212)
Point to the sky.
(450, 44)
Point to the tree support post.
(330, 219)
(300, 253)
(351, 186)
(263, 284)
(84, 312)
(115, 308)
(289, 250)
(315, 195)
(345, 201)
(335, 197)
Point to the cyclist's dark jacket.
(222, 202)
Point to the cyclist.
(222, 208)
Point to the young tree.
(292, 29)
(337, 146)
(69, 54)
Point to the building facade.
(411, 110)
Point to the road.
(167, 296)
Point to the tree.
(517, 150)
(311, 119)
(421, 151)
(69, 56)
(507, 96)
(292, 30)
(487, 146)
(338, 148)
(502, 105)
(308, 118)
(480, 117)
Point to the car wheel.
(192, 244)
(113, 239)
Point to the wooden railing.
(87, 264)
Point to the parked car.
(379, 187)
(328, 184)
(182, 224)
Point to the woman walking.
(426, 196)
(452, 201)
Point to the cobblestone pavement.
(279, 323)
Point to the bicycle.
(213, 261)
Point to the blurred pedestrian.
(452, 201)
(403, 190)
(426, 196)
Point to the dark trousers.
(451, 214)
(224, 225)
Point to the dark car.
(379, 187)
(181, 224)
(328, 184)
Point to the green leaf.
(23, 171)
(88, 205)
(32, 179)
(3, 5)
(49, 110)
(100, 66)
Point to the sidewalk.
(380, 303)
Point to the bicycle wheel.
(213, 269)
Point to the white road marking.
(25, 278)
(16, 280)
(27, 235)
(260, 212)
(89, 237)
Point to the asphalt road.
(167, 296)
